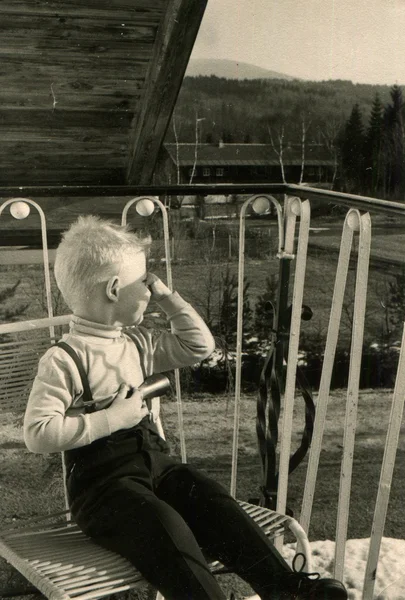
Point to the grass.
(30, 484)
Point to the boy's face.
(134, 295)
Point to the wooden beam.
(146, 10)
(100, 191)
(173, 46)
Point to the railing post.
(302, 209)
(166, 235)
(48, 289)
(387, 470)
(258, 199)
(363, 225)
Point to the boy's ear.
(113, 289)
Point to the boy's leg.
(222, 528)
(130, 520)
(225, 532)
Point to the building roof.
(87, 88)
(256, 155)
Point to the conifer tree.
(396, 305)
(224, 324)
(352, 146)
(394, 143)
(263, 321)
(227, 318)
(373, 147)
(9, 310)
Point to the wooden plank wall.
(72, 79)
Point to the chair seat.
(63, 563)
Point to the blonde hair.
(88, 252)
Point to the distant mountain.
(231, 69)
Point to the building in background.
(244, 163)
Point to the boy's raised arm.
(190, 340)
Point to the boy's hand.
(126, 412)
(158, 289)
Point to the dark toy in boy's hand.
(155, 385)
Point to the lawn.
(30, 484)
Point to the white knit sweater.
(55, 418)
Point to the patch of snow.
(390, 579)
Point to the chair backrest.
(21, 346)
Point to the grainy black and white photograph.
(202, 299)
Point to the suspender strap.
(87, 395)
(140, 351)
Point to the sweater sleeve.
(47, 427)
(188, 342)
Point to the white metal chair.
(51, 552)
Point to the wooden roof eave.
(173, 46)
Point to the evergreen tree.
(373, 148)
(224, 323)
(352, 146)
(394, 143)
(227, 136)
(9, 310)
(227, 318)
(263, 319)
(396, 305)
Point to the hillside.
(247, 110)
(230, 69)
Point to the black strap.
(87, 395)
(140, 352)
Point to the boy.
(124, 490)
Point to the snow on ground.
(390, 582)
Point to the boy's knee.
(189, 482)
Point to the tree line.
(241, 111)
(372, 154)
(360, 125)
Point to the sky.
(359, 40)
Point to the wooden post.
(178, 30)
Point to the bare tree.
(280, 150)
(197, 141)
(304, 129)
(176, 139)
(330, 136)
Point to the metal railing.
(301, 191)
(292, 205)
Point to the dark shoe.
(300, 585)
(320, 589)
